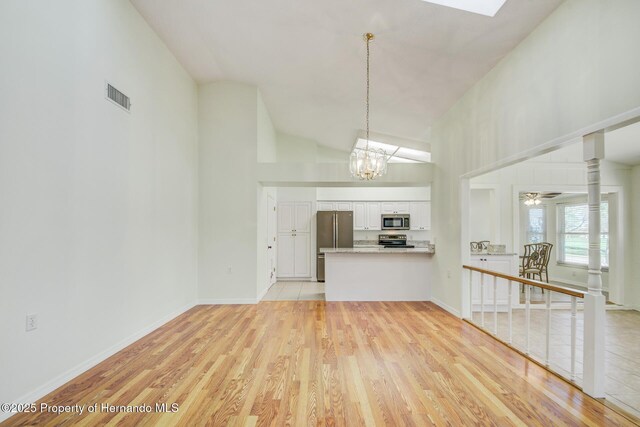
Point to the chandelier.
(531, 199)
(368, 164)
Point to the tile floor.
(295, 291)
(622, 348)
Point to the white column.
(594, 301)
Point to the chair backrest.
(537, 255)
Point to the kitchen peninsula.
(378, 273)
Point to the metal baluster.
(482, 300)
(527, 293)
(495, 305)
(574, 308)
(548, 303)
(510, 314)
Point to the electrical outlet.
(32, 322)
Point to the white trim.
(81, 368)
(263, 293)
(445, 306)
(224, 301)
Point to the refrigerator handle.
(337, 231)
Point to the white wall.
(634, 254)
(267, 152)
(228, 125)
(576, 69)
(98, 207)
(292, 148)
(482, 216)
(374, 193)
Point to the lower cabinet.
(294, 255)
(507, 264)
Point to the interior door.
(272, 220)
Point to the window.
(536, 225)
(573, 233)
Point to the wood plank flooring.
(316, 363)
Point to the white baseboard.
(263, 293)
(447, 307)
(67, 376)
(223, 301)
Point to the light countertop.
(492, 254)
(377, 250)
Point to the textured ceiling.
(308, 57)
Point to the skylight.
(395, 153)
(482, 7)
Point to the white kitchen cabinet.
(294, 239)
(302, 255)
(374, 221)
(394, 207)
(420, 215)
(326, 206)
(366, 216)
(359, 215)
(294, 255)
(335, 206)
(507, 264)
(343, 206)
(294, 217)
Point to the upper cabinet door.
(359, 216)
(302, 218)
(344, 206)
(394, 207)
(326, 206)
(387, 207)
(427, 215)
(420, 213)
(374, 220)
(286, 217)
(402, 207)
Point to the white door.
(286, 255)
(374, 220)
(272, 219)
(286, 217)
(344, 206)
(302, 259)
(402, 207)
(427, 216)
(387, 207)
(326, 206)
(420, 215)
(302, 215)
(359, 216)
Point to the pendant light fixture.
(368, 164)
(531, 199)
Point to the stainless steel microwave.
(395, 221)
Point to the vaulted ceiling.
(308, 57)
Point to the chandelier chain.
(368, 39)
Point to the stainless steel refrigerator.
(335, 230)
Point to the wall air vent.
(117, 97)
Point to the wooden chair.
(535, 261)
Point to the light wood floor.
(311, 362)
